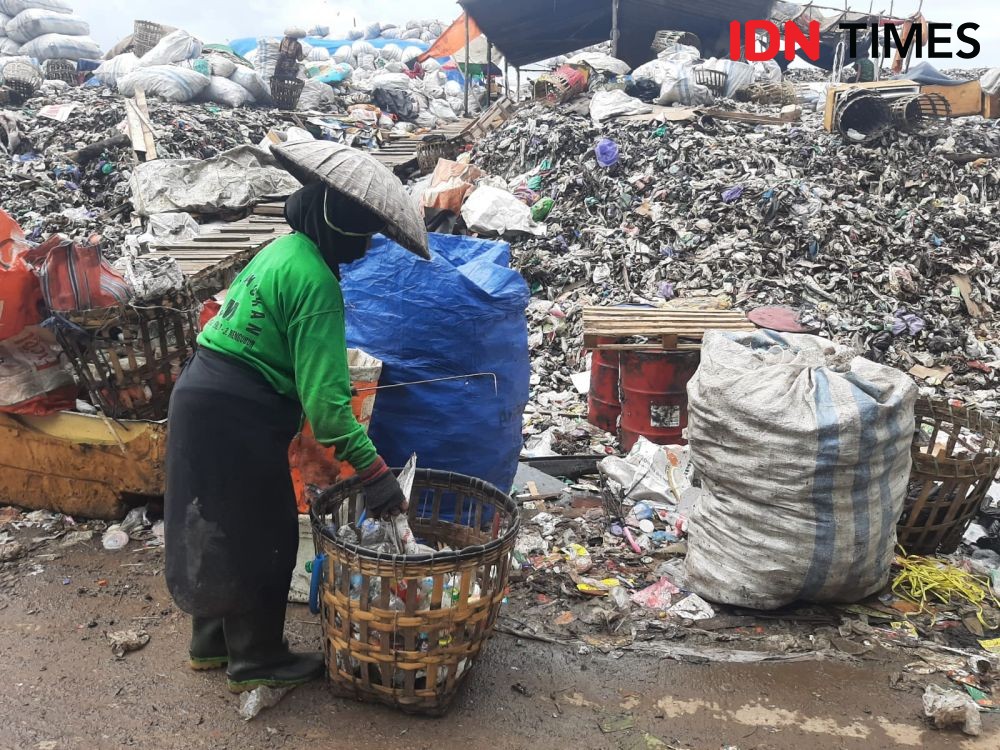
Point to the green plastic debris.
(535, 183)
(542, 208)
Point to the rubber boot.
(208, 643)
(259, 655)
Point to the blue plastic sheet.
(461, 313)
(249, 44)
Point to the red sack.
(32, 377)
(76, 277)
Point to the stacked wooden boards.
(212, 260)
(615, 328)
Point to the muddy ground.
(62, 688)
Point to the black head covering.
(304, 212)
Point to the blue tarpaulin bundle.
(461, 313)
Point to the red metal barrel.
(654, 395)
(603, 403)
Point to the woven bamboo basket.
(429, 151)
(22, 81)
(773, 93)
(921, 113)
(405, 630)
(714, 80)
(285, 92)
(129, 358)
(61, 70)
(956, 456)
(667, 38)
(145, 36)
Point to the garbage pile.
(180, 68)
(889, 249)
(600, 565)
(44, 30)
(382, 69)
(72, 175)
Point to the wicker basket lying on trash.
(668, 38)
(405, 629)
(956, 456)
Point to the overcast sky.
(222, 20)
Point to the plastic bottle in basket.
(404, 535)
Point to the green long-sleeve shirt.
(284, 316)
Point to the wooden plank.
(693, 315)
(247, 229)
(208, 246)
(609, 325)
(147, 126)
(652, 347)
(750, 117)
(134, 128)
(222, 237)
(643, 311)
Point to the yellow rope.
(923, 579)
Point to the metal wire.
(496, 391)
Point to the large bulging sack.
(13, 7)
(173, 48)
(804, 450)
(226, 92)
(35, 22)
(460, 313)
(170, 82)
(111, 71)
(252, 81)
(61, 47)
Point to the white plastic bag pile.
(803, 450)
(424, 31)
(45, 30)
(175, 70)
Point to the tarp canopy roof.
(527, 31)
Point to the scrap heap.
(890, 249)
(49, 186)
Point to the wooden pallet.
(211, 261)
(498, 113)
(673, 328)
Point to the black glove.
(383, 494)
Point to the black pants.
(231, 519)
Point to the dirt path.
(62, 688)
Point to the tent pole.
(614, 28)
(506, 77)
(517, 94)
(466, 64)
(489, 72)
